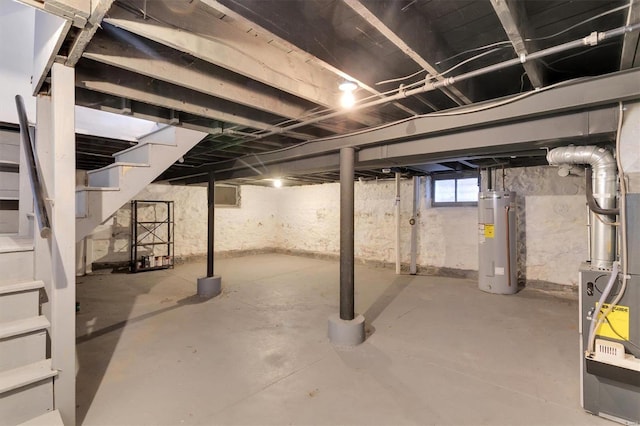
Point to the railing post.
(55, 257)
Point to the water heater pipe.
(506, 213)
(604, 182)
(398, 223)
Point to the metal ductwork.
(604, 187)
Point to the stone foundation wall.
(551, 217)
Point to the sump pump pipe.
(604, 186)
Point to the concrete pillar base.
(344, 332)
(209, 286)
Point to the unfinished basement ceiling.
(246, 71)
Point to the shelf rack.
(152, 245)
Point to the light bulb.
(277, 183)
(347, 100)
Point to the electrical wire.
(475, 49)
(393, 80)
(619, 335)
(595, 282)
(616, 9)
(379, 95)
(466, 61)
(564, 58)
(602, 220)
(623, 232)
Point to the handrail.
(36, 184)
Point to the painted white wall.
(250, 226)
(557, 239)
(308, 217)
(551, 219)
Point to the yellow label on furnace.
(616, 325)
(489, 231)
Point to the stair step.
(22, 344)
(117, 164)
(23, 326)
(165, 135)
(26, 375)
(96, 188)
(22, 286)
(16, 264)
(109, 176)
(9, 166)
(141, 144)
(51, 418)
(134, 179)
(13, 243)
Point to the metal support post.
(347, 310)
(211, 192)
(211, 285)
(347, 328)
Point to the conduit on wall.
(398, 223)
(414, 225)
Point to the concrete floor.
(439, 351)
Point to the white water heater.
(497, 242)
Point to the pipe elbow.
(600, 159)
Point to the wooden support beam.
(452, 92)
(513, 18)
(630, 56)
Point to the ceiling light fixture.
(347, 100)
(277, 183)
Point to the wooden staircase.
(26, 375)
(110, 187)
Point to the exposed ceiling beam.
(248, 26)
(573, 96)
(98, 9)
(466, 144)
(541, 132)
(630, 56)
(452, 92)
(170, 66)
(225, 45)
(430, 168)
(132, 86)
(513, 18)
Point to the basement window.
(454, 190)
(227, 196)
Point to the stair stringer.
(101, 204)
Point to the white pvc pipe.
(413, 269)
(398, 223)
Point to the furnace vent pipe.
(604, 188)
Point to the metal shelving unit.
(152, 245)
